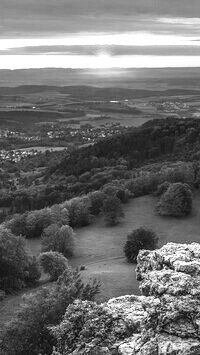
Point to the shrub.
(176, 201)
(96, 200)
(143, 185)
(79, 211)
(53, 264)
(16, 265)
(86, 328)
(118, 190)
(148, 181)
(123, 195)
(141, 238)
(28, 331)
(112, 210)
(60, 239)
(162, 188)
(33, 223)
(180, 172)
(59, 215)
(110, 189)
(71, 179)
(17, 224)
(36, 221)
(85, 177)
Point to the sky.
(99, 33)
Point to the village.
(51, 137)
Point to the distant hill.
(151, 79)
(92, 92)
(156, 139)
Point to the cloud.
(18, 17)
(184, 21)
(67, 30)
(114, 50)
(143, 39)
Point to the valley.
(67, 151)
(69, 117)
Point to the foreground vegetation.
(28, 332)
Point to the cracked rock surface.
(165, 319)
(170, 281)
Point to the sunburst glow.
(124, 39)
(101, 61)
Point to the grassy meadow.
(100, 248)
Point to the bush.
(141, 238)
(60, 239)
(28, 331)
(36, 221)
(118, 190)
(109, 189)
(143, 185)
(149, 180)
(176, 201)
(79, 211)
(180, 172)
(16, 265)
(59, 215)
(96, 200)
(85, 177)
(53, 264)
(112, 210)
(162, 188)
(33, 223)
(17, 224)
(71, 179)
(123, 195)
(86, 328)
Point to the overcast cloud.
(63, 19)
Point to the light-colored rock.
(129, 308)
(165, 319)
(170, 281)
(128, 348)
(170, 345)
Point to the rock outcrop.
(170, 281)
(165, 320)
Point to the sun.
(103, 60)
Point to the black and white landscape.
(99, 177)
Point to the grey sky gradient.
(58, 18)
(27, 17)
(111, 50)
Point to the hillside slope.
(164, 320)
(172, 138)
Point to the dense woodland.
(66, 175)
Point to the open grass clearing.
(100, 248)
